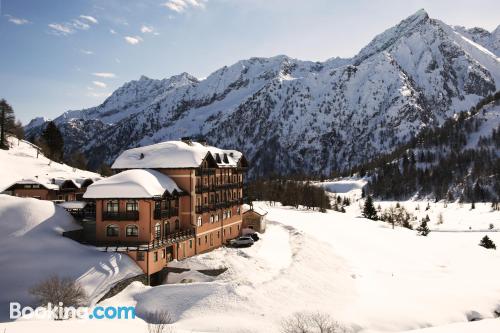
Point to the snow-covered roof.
(46, 184)
(73, 204)
(135, 183)
(175, 154)
(258, 210)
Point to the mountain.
(293, 116)
(458, 160)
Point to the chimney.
(187, 140)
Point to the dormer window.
(225, 159)
(217, 158)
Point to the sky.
(59, 55)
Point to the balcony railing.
(203, 172)
(121, 216)
(166, 213)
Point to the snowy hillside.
(33, 249)
(290, 115)
(21, 162)
(364, 274)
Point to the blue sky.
(58, 55)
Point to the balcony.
(202, 209)
(121, 216)
(202, 188)
(204, 172)
(165, 213)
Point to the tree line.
(289, 193)
(438, 163)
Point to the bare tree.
(56, 290)
(159, 322)
(315, 322)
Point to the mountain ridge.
(294, 116)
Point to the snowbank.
(33, 248)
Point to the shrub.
(487, 243)
(397, 215)
(159, 321)
(57, 290)
(311, 323)
(423, 229)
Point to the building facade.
(197, 209)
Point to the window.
(217, 218)
(177, 225)
(140, 256)
(230, 230)
(199, 240)
(132, 206)
(112, 230)
(206, 239)
(60, 197)
(212, 219)
(112, 206)
(166, 228)
(218, 234)
(157, 230)
(36, 186)
(238, 227)
(163, 254)
(190, 243)
(132, 231)
(155, 256)
(26, 186)
(198, 221)
(238, 211)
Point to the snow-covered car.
(242, 241)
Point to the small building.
(55, 189)
(30, 188)
(254, 218)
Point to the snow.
(366, 275)
(72, 204)
(33, 249)
(135, 183)
(173, 154)
(20, 163)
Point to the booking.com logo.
(59, 311)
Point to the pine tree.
(423, 229)
(369, 210)
(53, 141)
(6, 122)
(487, 243)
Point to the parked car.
(242, 241)
(255, 236)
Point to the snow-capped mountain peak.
(289, 115)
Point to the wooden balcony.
(165, 213)
(121, 216)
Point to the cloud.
(133, 40)
(99, 84)
(180, 6)
(104, 75)
(112, 31)
(96, 94)
(147, 29)
(17, 20)
(67, 28)
(89, 18)
(87, 52)
(61, 29)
